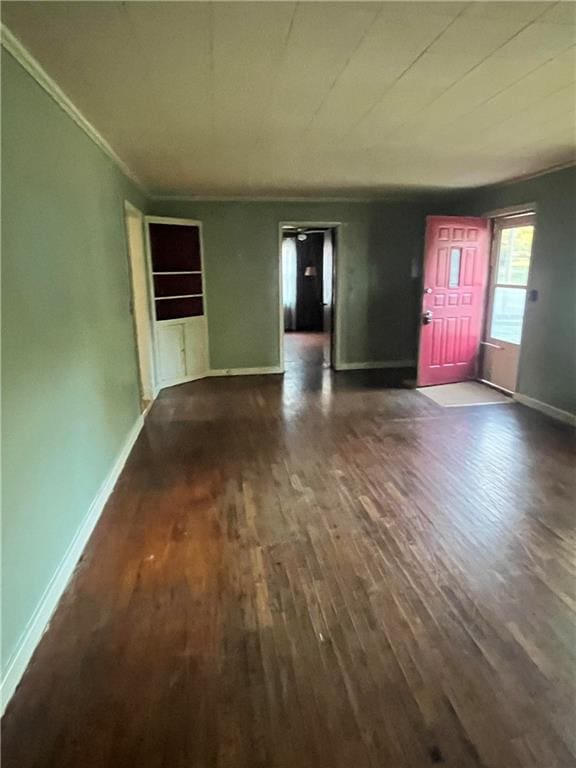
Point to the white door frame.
(499, 219)
(140, 304)
(335, 226)
(179, 222)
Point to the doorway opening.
(307, 283)
(140, 303)
(506, 299)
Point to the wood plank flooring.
(317, 571)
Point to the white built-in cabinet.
(178, 300)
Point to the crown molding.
(256, 199)
(543, 172)
(11, 43)
(526, 176)
(396, 194)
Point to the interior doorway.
(506, 299)
(307, 281)
(139, 303)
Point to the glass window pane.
(514, 257)
(508, 314)
(454, 279)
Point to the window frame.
(512, 221)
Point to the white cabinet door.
(171, 353)
(196, 347)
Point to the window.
(508, 314)
(514, 247)
(514, 255)
(455, 257)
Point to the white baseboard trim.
(246, 371)
(379, 364)
(183, 380)
(275, 369)
(549, 410)
(38, 624)
(222, 372)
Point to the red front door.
(456, 260)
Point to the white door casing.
(140, 299)
(501, 345)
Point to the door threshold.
(496, 386)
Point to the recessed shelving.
(176, 271)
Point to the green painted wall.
(378, 296)
(548, 358)
(69, 388)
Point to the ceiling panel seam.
(403, 73)
(525, 76)
(269, 98)
(343, 69)
(468, 72)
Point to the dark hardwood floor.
(306, 348)
(316, 571)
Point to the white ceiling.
(315, 98)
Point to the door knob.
(427, 290)
(426, 318)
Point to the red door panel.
(456, 260)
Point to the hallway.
(307, 364)
(311, 571)
(304, 348)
